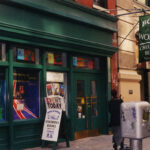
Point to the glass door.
(87, 102)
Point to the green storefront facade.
(52, 47)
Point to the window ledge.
(100, 8)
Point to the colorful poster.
(50, 58)
(90, 64)
(20, 54)
(25, 55)
(74, 61)
(80, 62)
(29, 55)
(49, 89)
(58, 59)
(51, 124)
(25, 95)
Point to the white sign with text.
(52, 124)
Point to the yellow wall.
(130, 83)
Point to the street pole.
(136, 144)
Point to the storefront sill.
(56, 68)
(28, 121)
(22, 65)
(4, 123)
(85, 71)
(3, 63)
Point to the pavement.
(102, 142)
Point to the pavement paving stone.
(102, 142)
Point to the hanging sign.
(144, 38)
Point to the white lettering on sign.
(145, 22)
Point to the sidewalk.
(103, 142)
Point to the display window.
(85, 62)
(25, 94)
(57, 86)
(26, 55)
(2, 97)
(56, 59)
(2, 52)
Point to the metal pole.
(136, 144)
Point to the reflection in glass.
(25, 95)
(80, 99)
(93, 98)
(2, 97)
(85, 62)
(57, 59)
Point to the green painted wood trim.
(70, 98)
(10, 90)
(3, 63)
(57, 68)
(27, 121)
(86, 70)
(43, 85)
(29, 66)
(108, 88)
(71, 11)
(4, 123)
(20, 35)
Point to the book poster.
(25, 95)
(50, 58)
(25, 55)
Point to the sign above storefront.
(55, 77)
(144, 38)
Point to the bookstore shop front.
(52, 48)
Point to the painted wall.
(129, 79)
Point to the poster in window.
(25, 95)
(20, 54)
(26, 55)
(58, 59)
(50, 58)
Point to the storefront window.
(2, 97)
(57, 85)
(26, 55)
(85, 62)
(57, 59)
(2, 51)
(25, 95)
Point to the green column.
(10, 100)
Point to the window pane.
(57, 85)
(85, 62)
(26, 55)
(94, 98)
(57, 59)
(2, 51)
(81, 107)
(2, 97)
(25, 95)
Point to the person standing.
(114, 110)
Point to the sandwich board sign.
(52, 118)
(144, 38)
